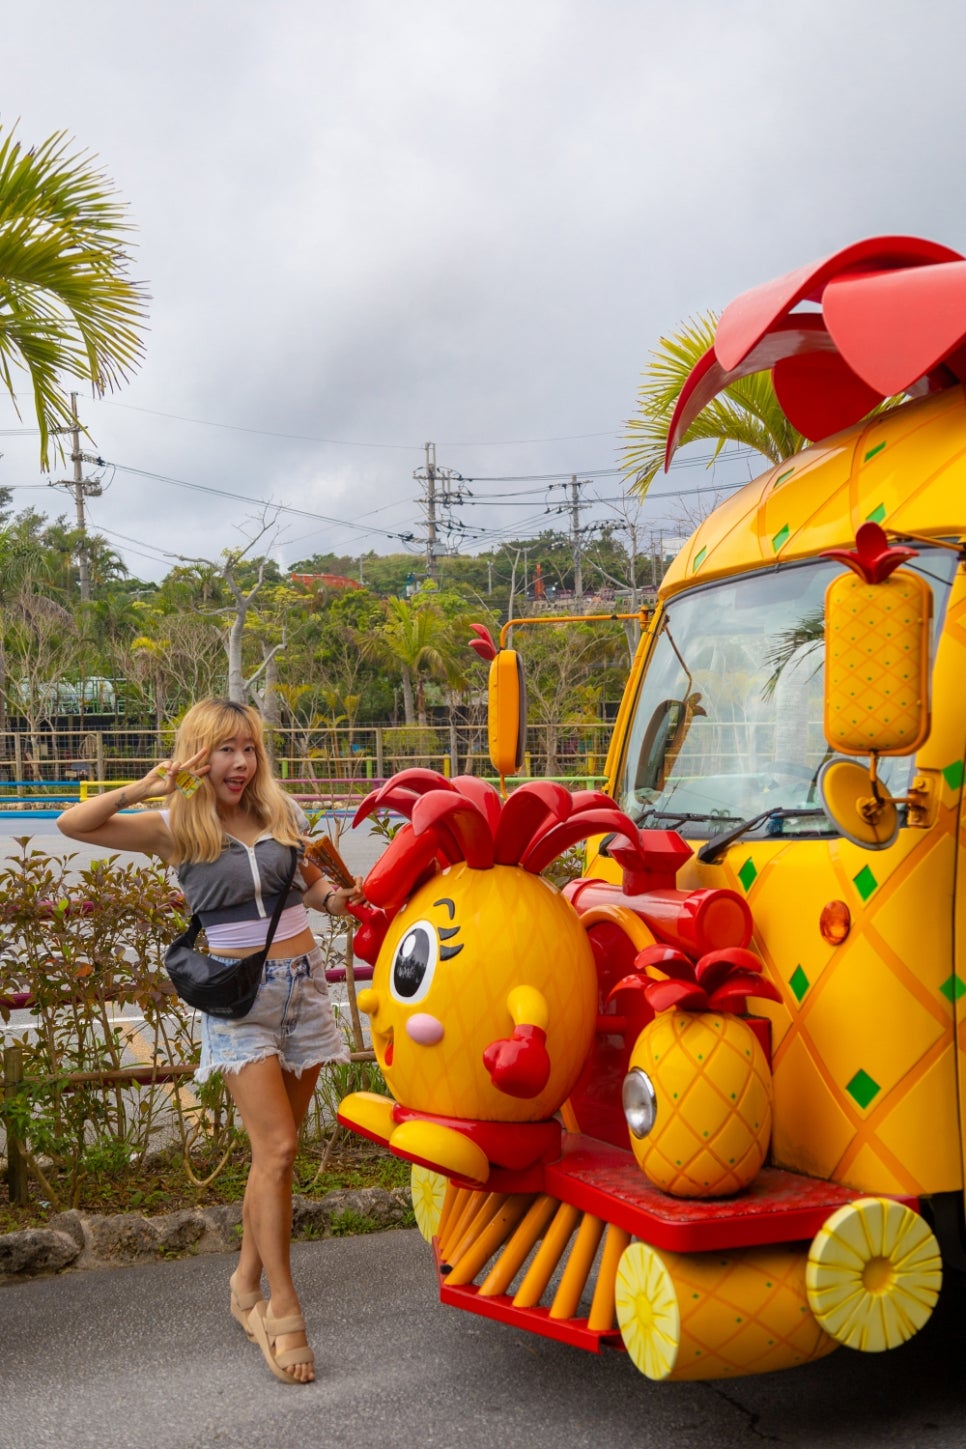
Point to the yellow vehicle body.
(869, 1038)
(762, 1156)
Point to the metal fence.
(321, 763)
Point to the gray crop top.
(243, 884)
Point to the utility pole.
(431, 510)
(444, 496)
(81, 488)
(575, 540)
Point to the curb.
(75, 1240)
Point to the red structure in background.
(329, 581)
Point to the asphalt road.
(148, 1357)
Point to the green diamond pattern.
(872, 452)
(953, 775)
(863, 1088)
(784, 477)
(952, 988)
(747, 874)
(865, 882)
(781, 538)
(878, 514)
(699, 560)
(799, 983)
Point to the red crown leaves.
(718, 981)
(873, 559)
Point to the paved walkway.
(359, 848)
(148, 1357)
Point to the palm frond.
(746, 413)
(67, 303)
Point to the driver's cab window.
(729, 719)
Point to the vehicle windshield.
(728, 722)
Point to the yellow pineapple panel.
(905, 467)
(931, 1156)
(738, 530)
(866, 1019)
(810, 1128)
(920, 470)
(860, 976)
(805, 513)
(906, 918)
(868, 1171)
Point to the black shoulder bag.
(221, 988)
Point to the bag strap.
(280, 903)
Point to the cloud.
(368, 226)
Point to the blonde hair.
(196, 829)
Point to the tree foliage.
(67, 302)
(747, 412)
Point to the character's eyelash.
(446, 933)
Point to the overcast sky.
(371, 224)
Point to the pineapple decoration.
(697, 1096)
(483, 1001)
(876, 646)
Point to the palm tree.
(747, 412)
(67, 304)
(418, 640)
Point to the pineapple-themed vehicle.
(704, 1102)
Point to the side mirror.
(877, 629)
(665, 734)
(507, 713)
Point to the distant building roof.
(332, 581)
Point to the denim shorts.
(292, 1019)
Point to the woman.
(230, 844)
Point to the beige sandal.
(266, 1332)
(241, 1305)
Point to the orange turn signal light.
(835, 922)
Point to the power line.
(351, 442)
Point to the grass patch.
(161, 1184)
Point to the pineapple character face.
(697, 1100)
(449, 961)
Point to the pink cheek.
(424, 1029)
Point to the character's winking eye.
(446, 933)
(414, 964)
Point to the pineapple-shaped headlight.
(697, 1096)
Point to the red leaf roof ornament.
(892, 319)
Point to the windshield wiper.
(646, 813)
(718, 843)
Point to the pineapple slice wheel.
(647, 1311)
(428, 1190)
(873, 1275)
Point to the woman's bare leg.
(248, 1274)
(272, 1104)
